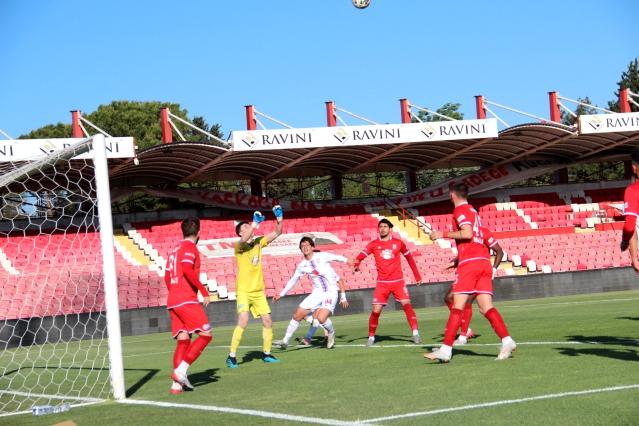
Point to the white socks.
(328, 325)
(507, 340)
(182, 367)
(290, 330)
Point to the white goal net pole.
(109, 273)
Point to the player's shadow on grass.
(468, 352)
(629, 318)
(202, 378)
(252, 355)
(620, 354)
(91, 373)
(383, 338)
(440, 336)
(605, 340)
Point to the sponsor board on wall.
(285, 244)
(320, 137)
(33, 149)
(609, 123)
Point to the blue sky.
(288, 57)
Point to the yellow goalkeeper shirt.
(249, 266)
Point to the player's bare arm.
(342, 291)
(632, 249)
(465, 233)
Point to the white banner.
(284, 244)
(317, 137)
(33, 149)
(480, 181)
(608, 123)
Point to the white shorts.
(320, 300)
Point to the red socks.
(497, 322)
(196, 348)
(466, 317)
(410, 316)
(454, 321)
(180, 350)
(450, 305)
(373, 321)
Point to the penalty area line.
(498, 403)
(240, 411)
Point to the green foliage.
(132, 118)
(596, 172)
(570, 120)
(629, 80)
(50, 131)
(449, 109)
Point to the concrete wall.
(156, 320)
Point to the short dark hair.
(461, 189)
(239, 226)
(386, 221)
(190, 227)
(635, 156)
(307, 240)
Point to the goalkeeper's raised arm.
(279, 216)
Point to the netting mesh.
(53, 338)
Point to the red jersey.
(387, 260)
(183, 261)
(631, 200)
(475, 248)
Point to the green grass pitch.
(565, 344)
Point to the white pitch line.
(246, 412)
(498, 403)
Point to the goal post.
(110, 279)
(60, 339)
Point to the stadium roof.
(171, 164)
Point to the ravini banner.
(319, 137)
(33, 149)
(284, 244)
(609, 123)
(480, 181)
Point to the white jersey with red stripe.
(474, 249)
(319, 270)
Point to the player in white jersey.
(322, 300)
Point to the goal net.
(59, 319)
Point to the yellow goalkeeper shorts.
(254, 302)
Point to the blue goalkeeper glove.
(279, 214)
(257, 219)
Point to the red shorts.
(188, 318)
(474, 278)
(383, 290)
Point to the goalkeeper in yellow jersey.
(249, 286)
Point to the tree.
(449, 109)
(50, 131)
(629, 80)
(570, 120)
(132, 118)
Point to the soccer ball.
(361, 4)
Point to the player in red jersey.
(631, 211)
(492, 244)
(474, 276)
(390, 278)
(182, 278)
